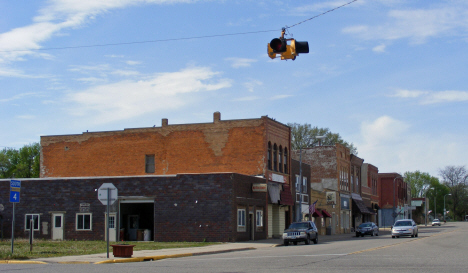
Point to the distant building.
(395, 200)
(330, 174)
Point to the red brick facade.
(238, 146)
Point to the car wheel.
(286, 242)
(316, 239)
(393, 237)
(295, 243)
(307, 241)
(416, 235)
(362, 235)
(357, 234)
(372, 234)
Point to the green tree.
(420, 183)
(22, 163)
(455, 178)
(305, 136)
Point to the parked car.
(436, 222)
(301, 232)
(404, 227)
(368, 228)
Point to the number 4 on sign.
(14, 197)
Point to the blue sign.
(15, 189)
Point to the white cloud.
(380, 48)
(21, 96)
(133, 98)
(240, 62)
(55, 17)
(446, 96)
(401, 93)
(427, 97)
(417, 25)
(280, 97)
(383, 130)
(91, 80)
(249, 98)
(252, 84)
(133, 62)
(322, 6)
(394, 146)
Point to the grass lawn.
(47, 248)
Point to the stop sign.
(102, 193)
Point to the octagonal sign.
(102, 193)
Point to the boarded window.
(149, 165)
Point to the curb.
(21, 262)
(161, 257)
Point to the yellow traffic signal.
(287, 52)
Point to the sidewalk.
(152, 255)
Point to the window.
(285, 160)
(27, 221)
(259, 218)
(304, 184)
(241, 220)
(280, 157)
(58, 221)
(149, 164)
(275, 158)
(269, 156)
(298, 186)
(83, 221)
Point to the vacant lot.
(45, 248)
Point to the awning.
(371, 211)
(286, 197)
(274, 192)
(361, 207)
(316, 213)
(325, 213)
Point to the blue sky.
(387, 75)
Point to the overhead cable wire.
(174, 39)
(349, 3)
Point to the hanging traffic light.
(281, 47)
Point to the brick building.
(186, 207)
(330, 174)
(362, 211)
(370, 188)
(393, 194)
(255, 147)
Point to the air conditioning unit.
(305, 199)
(298, 198)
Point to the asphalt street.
(437, 249)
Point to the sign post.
(107, 194)
(15, 189)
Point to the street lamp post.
(444, 204)
(435, 206)
(394, 210)
(425, 205)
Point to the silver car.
(405, 227)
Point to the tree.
(420, 182)
(22, 163)
(305, 136)
(455, 178)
